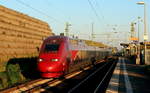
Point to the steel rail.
(74, 88)
(21, 86)
(96, 90)
(54, 83)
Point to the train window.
(51, 47)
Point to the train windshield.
(51, 48)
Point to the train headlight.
(54, 60)
(40, 59)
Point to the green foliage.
(3, 80)
(14, 73)
(18, 70)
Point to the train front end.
(50, 61)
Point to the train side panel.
(60, 55)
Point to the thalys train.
(60, 55)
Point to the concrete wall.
(20, 35)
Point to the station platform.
(129, 78)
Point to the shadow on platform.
(139, 79)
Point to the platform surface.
(129, 78)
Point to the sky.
(111, 19)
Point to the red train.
(60, 55)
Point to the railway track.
(26, 86)
(92, 78)
(95, 82)
(38, 84)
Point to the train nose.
(50, 66)
(46, 67)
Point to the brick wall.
(20, 35)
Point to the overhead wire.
(42, 13)
(38, 11)
(56, 8)
(100, 8)
(48, 3)
(94, 10)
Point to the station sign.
(134, 38)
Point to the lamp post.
(145, 30)
(139, 29)
(145, 25)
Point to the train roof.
(79, 44)
(56, 37)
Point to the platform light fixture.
(145, 25)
